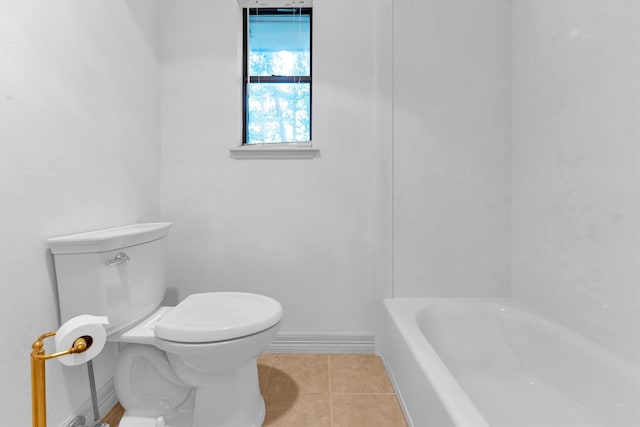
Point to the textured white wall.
(300, 231)
(79, 132)
(575, 166)
(451, 147)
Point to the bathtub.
(492, 362)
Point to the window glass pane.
(279, 45)
(278, 112)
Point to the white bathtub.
(491, 362)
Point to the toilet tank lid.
(109, 239)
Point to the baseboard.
(322, 342)
(106, 400)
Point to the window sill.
(268, 151)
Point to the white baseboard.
(106, 400)
(322, 342)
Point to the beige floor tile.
(358, 373)
(367, 410)
(265, 363)
(266, 358)
(298, 410)
(299, 374)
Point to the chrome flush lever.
(120, 258)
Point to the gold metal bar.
(38, 374)
(38, 392)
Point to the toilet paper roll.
(79, 326)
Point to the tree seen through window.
(277, 76)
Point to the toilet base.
(232, 399)
(224, 377)
(226, 398)
(182, 417)
(178, 419)
(133, 421)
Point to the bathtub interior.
(520, 369)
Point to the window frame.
(246, 79)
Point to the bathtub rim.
(455, 400)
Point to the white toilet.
(190, 365)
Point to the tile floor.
(332, 390)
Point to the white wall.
(451, 147)
(79, 132)
(575, 166)
(300, 231)
(80, 125)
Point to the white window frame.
(301, 150)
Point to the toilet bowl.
(192, 365)
(205, 349)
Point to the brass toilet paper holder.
(38, 386)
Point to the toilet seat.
(218, 316)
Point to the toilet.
(192, 365)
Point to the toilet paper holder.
(38, 386)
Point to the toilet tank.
(118, 272)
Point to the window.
(277, 75)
